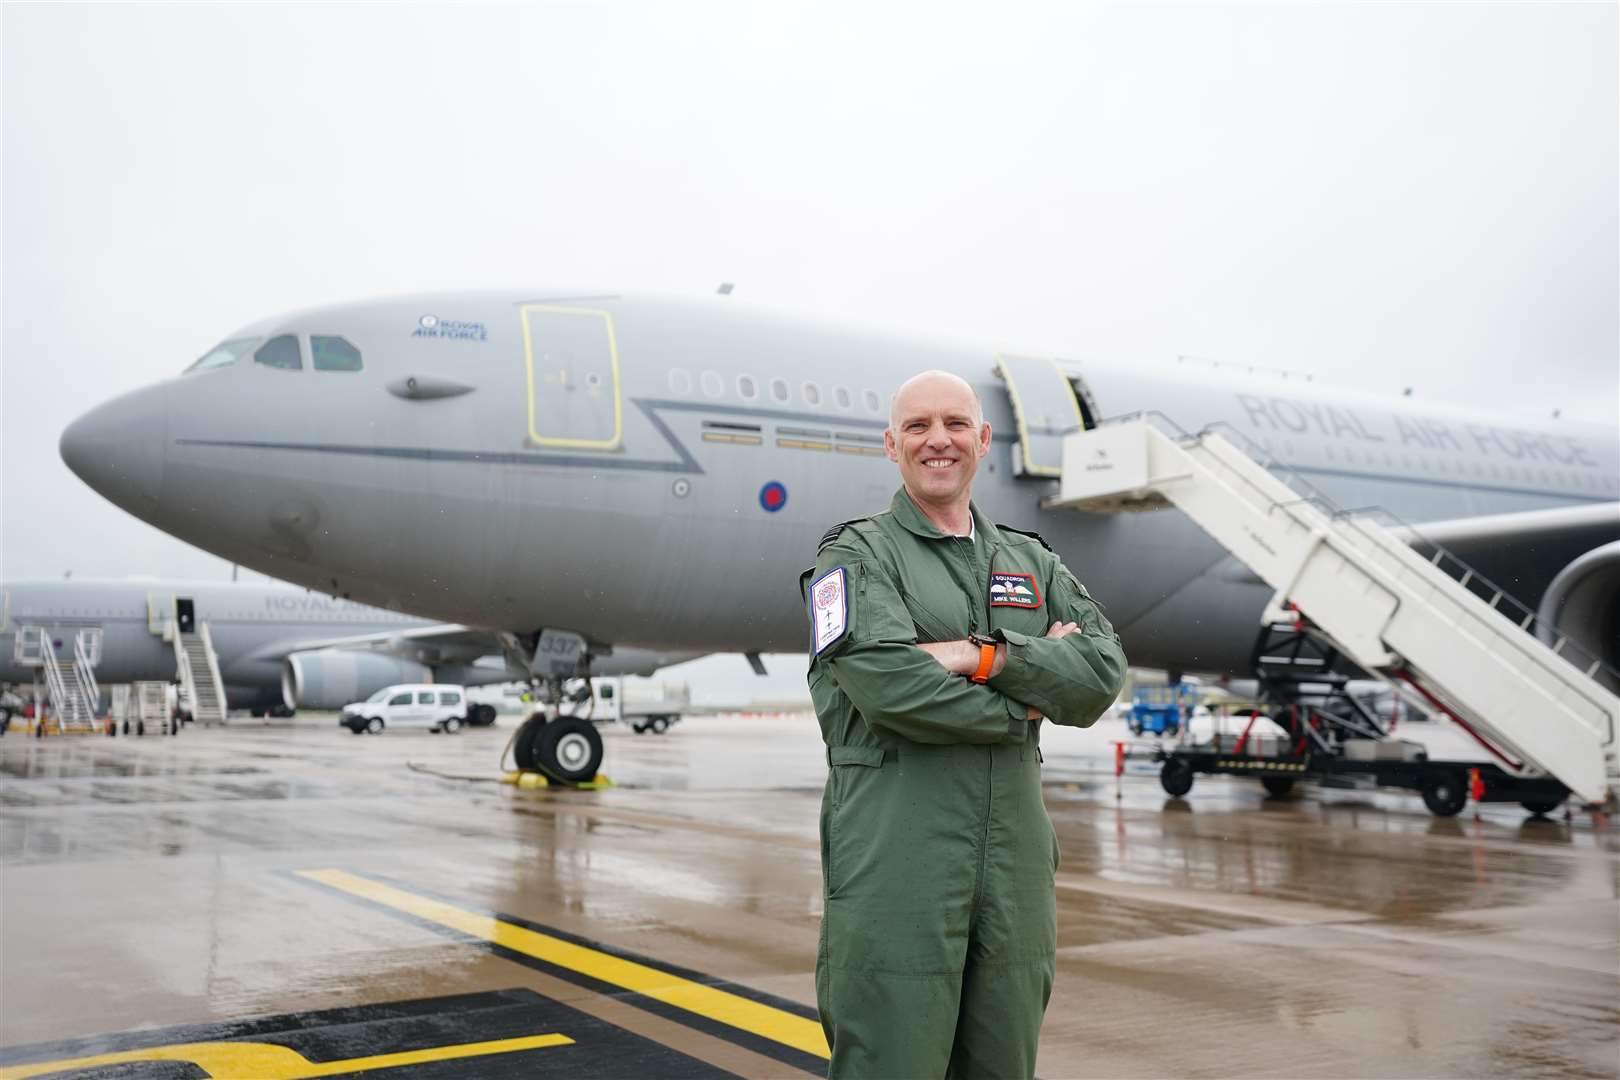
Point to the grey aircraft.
(578, 468)
(279, 647)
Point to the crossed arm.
(962, 657)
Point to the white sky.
(1384, 194)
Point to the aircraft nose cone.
(118, 448)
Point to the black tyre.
(1277, 787)
(452, 725)
(659, 725)
(1176, 777)
(1539, 807)
(126, 727)
(481, 715)
(357, 729)
(140, 727)
(1134, 725)
(570, 749)
(639, 728)
(375, 725)
(1445, 793)
(526, 745)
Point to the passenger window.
(400, 699)
(712, 384)
(873, 405)
(331, 353)
(226, 353)
(280, 352)
(841, 395)
(680, 381)
(812, 394)
(746, 389)
(423, 698)
(449, 699)
(779, 389)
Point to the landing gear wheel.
(375, 725)
(1445, 793)
(659, 725)
(570, 749)
(1176, 777)
(452, 725)
(1542, 807)
(523, 744)
(1277, 787)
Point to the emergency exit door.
(573, 370)
(1045, 409)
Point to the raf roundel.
(772, 497)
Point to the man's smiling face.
(937, 435)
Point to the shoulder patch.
(1025, 532)
(829, 609)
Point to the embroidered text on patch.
(829, 608)
(1013, 590)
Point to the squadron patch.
(829, 608)
(1013, 590)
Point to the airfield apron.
(938, 936)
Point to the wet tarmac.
(292, 900)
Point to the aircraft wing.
(451, 643)
(1522, 552)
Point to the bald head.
(930, 384)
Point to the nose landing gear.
(559, 740)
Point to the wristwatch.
(987, 656)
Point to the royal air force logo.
(829, 608)
(1013, 590)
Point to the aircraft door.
(573, 369)
(185, 615)
(1046, 410)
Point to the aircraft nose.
(118, 448)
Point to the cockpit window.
(331, 353)
(280, 352)
(228, 352)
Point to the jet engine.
(332, 678)
(1583, 604)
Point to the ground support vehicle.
(1161, 709)
(1331, 736)
(431, 706)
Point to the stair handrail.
(1447, 561)
(218, 683)
(87, 654)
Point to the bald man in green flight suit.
(939, 642)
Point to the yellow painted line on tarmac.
(727, 1008)
(267, 1061)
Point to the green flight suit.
(938, 937)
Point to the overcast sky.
(1383, 194)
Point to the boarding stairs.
(197, 668)
(1401, 608)
(71, 687)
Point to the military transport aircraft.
(279, 648)
(575, 469)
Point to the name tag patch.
(829, 608)
(1013, 590)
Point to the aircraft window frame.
(297, 346)
(842, 399)
(812, 394)
(680, 382)
(873, 403)
(427, 697)
(712, 384)
(400, 699)
(780, 392)
(315, 353)
(747, 388)
(209, 361)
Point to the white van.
(434, 706)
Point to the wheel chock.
(529, 778)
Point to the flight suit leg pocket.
(850, 841)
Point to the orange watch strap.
(987, 660)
